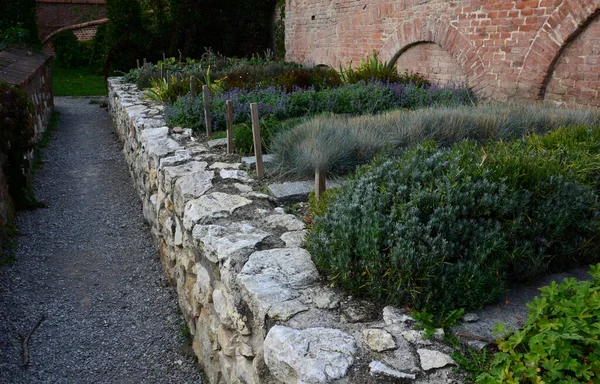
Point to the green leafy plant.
(558, 342)
(443, 229)
(69, 52)
(473, 362)
(430, 321)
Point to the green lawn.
(76, 82)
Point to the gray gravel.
(88, 263)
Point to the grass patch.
(76, 82)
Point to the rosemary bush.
(447, 228)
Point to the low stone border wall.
(252, 297)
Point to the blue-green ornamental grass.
(448, 228)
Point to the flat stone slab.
(250, 161)
(217, 143)
(313, 355)
(379, 368)
(295, 191)
(208, 207)
(274, 276)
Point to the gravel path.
(88, 263)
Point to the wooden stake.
(137, 61)
(162, 70)
(168, 80)
(145, 62)
(207, 119)
(320, 185)
(257, 142)
(164, 57)
(229, 107)
(193, 86)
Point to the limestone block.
(274, 276)
(219, 165)
(235, 174)
(378, 340)
(379, 368)
(393, 315)
(180, 157)
(431, 359)
(169, 174)
(220, 243)
(311, 356)
(191, 186)
(157, 143)
(208, 207)
(287, 221)
(204, 284)
(294, 239)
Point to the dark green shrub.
(67, 49)
(100, 47)
(18, 23)
(243, 138)
(16, 141)
(449, 228)
(559, 341)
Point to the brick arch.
(438, 31)
(564, 25)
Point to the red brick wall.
(432, 61)
(505, 48)
(55, 14)
(576, 76)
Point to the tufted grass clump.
(448, 228)
(559, 341)
(446, 125)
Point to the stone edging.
(251, 295)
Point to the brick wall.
(507, 50)
(433, 62)
(55, 14)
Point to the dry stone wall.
(507, 50)
(252, 297)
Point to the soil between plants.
(87, 262)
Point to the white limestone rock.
(219, 243)
(274, 276)
(219, 165)
(470, 317)
(208, 207)
(393, 315)
(170, 174)
(235, 174)
(287, 221)
(379, 368)
(431, 359)
(294, 239)
(179, 157)
(217, 143)
(378, 340)
(243, 188)
(415, 337)
(157, 143)
(191, 186)
(309, 356)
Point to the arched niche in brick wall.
(574, 78)
(432, 61)
(442, 34)
(562, 27)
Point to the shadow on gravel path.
(88, 263)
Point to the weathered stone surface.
(217, 143)
(295, 191)
(294, 239)
(379, 368)
(311, 356)
(403, 358)
(287, 221)
(393, 315)
(219, 165)
(431, 359)
(243, 188)
(359, 311)
(191, 186)
(169, 174)
(378, 340)
(157, 143)
(325, 299)
(212, 206)
(283, 311)
(250, 161)
(274, 276)
(234, 174)
(180, 156)
(415, 337)
(219, 243)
